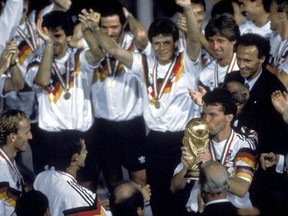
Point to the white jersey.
(213, 74)
(236, 154)
(9, 21)
(65, 102)
(249, 27)
(11, 184)
(167, 105)
(116, 95)
(29, 44)
(279, 51)
(65, 194)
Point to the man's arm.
(107, 43)
(94, 54)
(138, 30)
(238, 186)
(193, 46)
(43, 75)
(178, 181)
(15, 81)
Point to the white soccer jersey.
(236, 154)
(213, 74)
(116, 95)
(29, 44)
(64, 193)
(65, 102)
(279, 58)
(10, 180)
(170, 107)
(250, 27)
(9, 20)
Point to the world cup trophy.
(196, 138)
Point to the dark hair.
(223, 25)
(281, 6)
(9, 123)
(32, 203)
(56, 19)
(224, 98)
(163, 26)
(128, 205)
(66, 143)
(221, 7)
(110, 8)
(262, 44)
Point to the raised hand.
(43, 32)
(196, 96)
(183, 3)
(181, 23)
(280, 101)
(13, 51)
(5, 58)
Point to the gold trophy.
(196, 137)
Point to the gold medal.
(67, 96)
(111, 84)
(157, 105)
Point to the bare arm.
(108, 44)
(43, 75)
(15, 81)
(193, 46)
(94, 54)
(178, 181)
(238, 186)
(138, 30)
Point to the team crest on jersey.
(142, 159)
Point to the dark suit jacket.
(222, 208)
(260, 115)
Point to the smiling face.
(164, 48)
(23, 135)
(112, 27)
(221, 47)
(60, 44)
(248, 61)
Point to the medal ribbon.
(159, 92)
(13, 167)
(229, 69)
(108, 62)
(225, 150)
(32, 43)
(66, 86)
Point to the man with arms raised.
(165, 80)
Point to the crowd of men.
(92, 91)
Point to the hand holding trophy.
(196, 138)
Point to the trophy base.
(192, 175)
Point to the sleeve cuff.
(280, 164)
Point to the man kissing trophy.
(196, 138)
